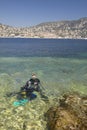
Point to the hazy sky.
(32, 12)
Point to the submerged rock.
(71, 114)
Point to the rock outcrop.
(71, 114)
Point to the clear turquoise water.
(56, 74)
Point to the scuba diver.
(34, 82)
(31, 85)
(26, 92)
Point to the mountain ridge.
(58, 29)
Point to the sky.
(26, 13)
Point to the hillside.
(60, 29)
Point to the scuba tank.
(23, 94)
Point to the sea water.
(60, 64)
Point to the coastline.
(51, 30)
(44, 38)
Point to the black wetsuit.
(31, 85)
(35, 83)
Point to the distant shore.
(45, 38)
(76, 29)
